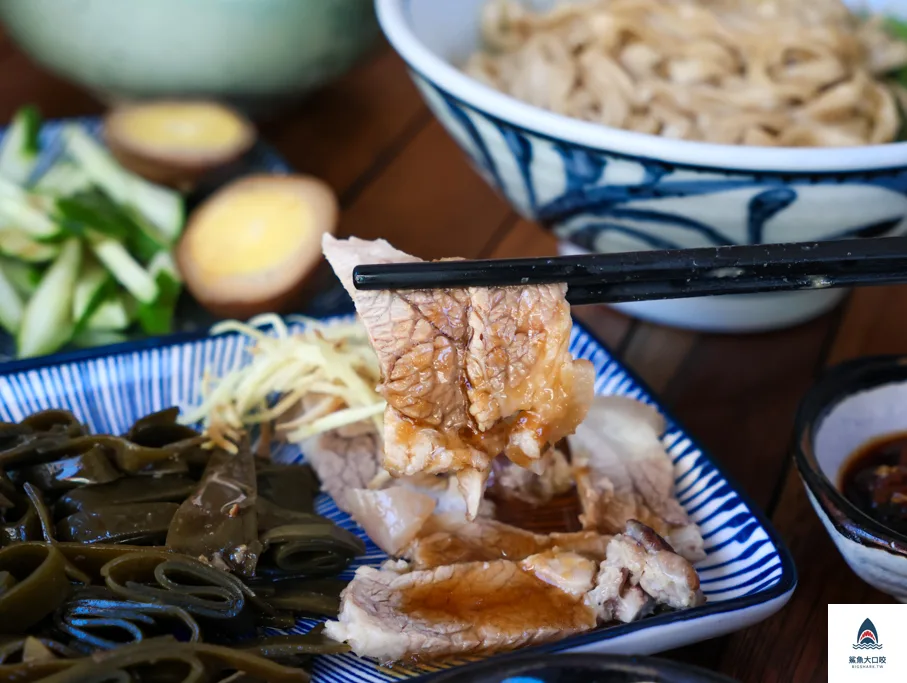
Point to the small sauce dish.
(857, 410)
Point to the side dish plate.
(189, 315)
(747, 576)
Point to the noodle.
(755, 72)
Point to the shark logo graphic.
(867, 637)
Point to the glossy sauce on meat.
(444, 548)
(408, 429)
(524, 601)
(874, 478)
(441, 546)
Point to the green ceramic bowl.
(253, 53)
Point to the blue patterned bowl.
(607, 190)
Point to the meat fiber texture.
(445, 539)
(623, 472)
(467, 373)
(472, 608)
(554, 477)
(483, 607)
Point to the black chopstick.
(648, 275)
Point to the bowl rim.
(394, 17)
(834, 386)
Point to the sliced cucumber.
(89, 338)
(19, 149)
(163, 263)
(90, 289)
(47, 322)
(111, 314)
(11, 306)
(95, 211)
(24, 277)
(125, 269)
(18, 244)
(92, 210)
(157, 318)
(145, 241)
(161, 206)
(27, 211)
(63, 179)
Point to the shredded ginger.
(331, 361)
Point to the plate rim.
(787, 582)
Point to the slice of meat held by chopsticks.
(467, 373)
(623, 472)
(487, 607)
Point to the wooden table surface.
(400, 177)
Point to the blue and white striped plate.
(747, 576)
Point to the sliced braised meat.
(484, 607)
(473, 608)
(447, 540)
(571, 572)
(640, 572)
(344, 462)
(391, 517)
(467, 373)
(396, 566)
(623, 472)
(666, 576)
(445, 492)
(553, 477)
(614, 598)
(395, 512)
(686, 541)
(408, 522)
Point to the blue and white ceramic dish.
(747, 575)
(853, 404)
(603, 189)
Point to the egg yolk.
(184, 127)
(250, 231)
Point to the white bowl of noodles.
(645, 124)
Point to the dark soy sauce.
(874, 478)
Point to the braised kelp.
(122, 552)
